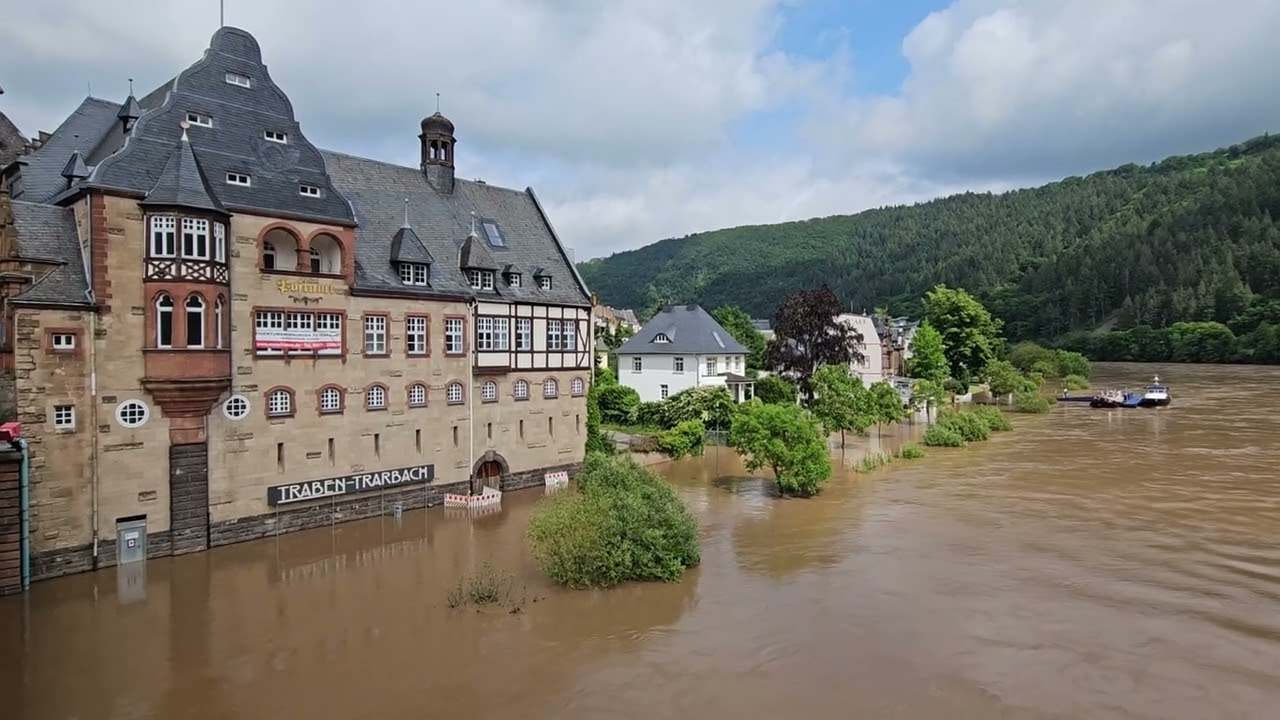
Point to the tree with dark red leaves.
(808, 336)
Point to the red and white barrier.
(556, 479)
(490, 496)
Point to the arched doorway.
(488, 470)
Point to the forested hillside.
(1192, 238)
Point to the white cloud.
(624, 114)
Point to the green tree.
(774, 390)
(928, 357)
(739, 325)
(837, 403)
(785, 439)
(808, 336)
(687, 439)
(597, 440)
(884, 404)
(970, 335)
(1004, 379)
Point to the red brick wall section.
(10, 523)
(98, 260)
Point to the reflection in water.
(1091, 564)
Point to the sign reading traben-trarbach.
(350, 484)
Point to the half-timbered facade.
(217, 331)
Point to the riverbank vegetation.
(624, 523)
(876, 460)
(487, 586)
(787, 440)
(957, 428)
(1138, 249)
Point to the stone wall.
(8, 398)
(10, 522)
(189, 497)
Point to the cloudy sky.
(642, 119)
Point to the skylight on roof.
(239, 80)
(716, 335)
(495, 235)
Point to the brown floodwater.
(1092, 564)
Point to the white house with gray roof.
(683, 347)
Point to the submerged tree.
(808, 336)
(928, 357)
(840, 402)
(785, 439)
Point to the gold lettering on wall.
(308, 286)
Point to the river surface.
(1091, 564)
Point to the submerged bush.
(942, 436)
(485, 586)
(994, 418)
(1076, 382)
(874, 461)
(968, 425)
(911, 451)
(623, 524)
(1031, 402)
(687, 439)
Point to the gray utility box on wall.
(131, 540)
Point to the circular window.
(236, 407)
(132, 413)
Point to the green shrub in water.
(1031, 402)
(967, 425)
(623, 524)
(911, 451)
(1076, 382)
(688, 439)
(942, 436)
(995, 419)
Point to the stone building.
(216, 331)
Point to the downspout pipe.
(24, 510)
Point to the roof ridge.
(398, 166)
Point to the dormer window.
(196, 118)
(413, 273)
(274, 136)
(494, 234)
(238, 179)
(309, 191)
(481, 279)
(239, 80)
(661, 338)
(513, 280)
(544, 282)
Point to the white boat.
(1155, 394)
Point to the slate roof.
(183, 183)
(691, 331)
(234, 144)
(42, 170)
(12, 142)
(442, 223)
(46, 232)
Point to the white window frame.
(234, 78)
(330, 400)
(454, 394)
(280, 403)
(413, 273)
(577, 387)
(480, 279)
(415, 334)
(417, 389)
(375, 398)
(64, 417)
(513, 280)
(171, 311)
(570, 335)
(637, 363)
(309, 191)
(677, 364)
(375, 334)
(544, 282)
(132, 414)
(489, 391)
(63, 342)
(195, 239)
(550, 388)
(521, 390)
(663, 392)
(493, 334)
(200, 119)
(713, 366)
(555, 331)
(454, 340)
(219, 313)
(524, 334)
(164, 236)
(276, 136)
(219, 242)
(236, 407)
(241, 179)
(198, 309)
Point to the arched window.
(375, 397)
(417, 395)
(284, 250)
(489, 391)
(453, 393)
(219, 311)
(521, 391)
(326, 254)
(195, 321)
(330, 400)
(576, 387)
(280, 403)
(550, 388)
(164, 321)
(268, 256)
